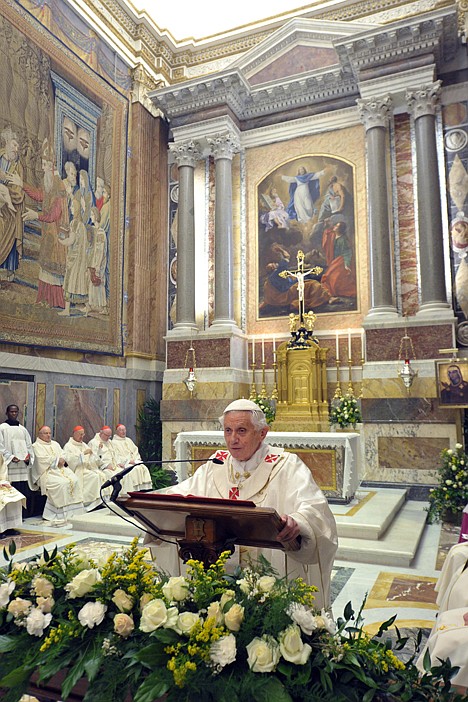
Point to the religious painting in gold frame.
(452, 383)
(307, 204)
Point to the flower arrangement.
(451, 494)
(134, 633)
(267, 407)
(345, 412)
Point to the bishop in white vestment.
(81, 460)
(270, 477)
(108, 461)
(128, 454)
(56, 481)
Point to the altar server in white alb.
(56, 481)
(11, 504)
(270, 477)
(81, 460)
(127, 454)
(16, 449)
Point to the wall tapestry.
(307, 204)
(62, 180)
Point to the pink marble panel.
(298, 60)
(209, 353)
(384, 344)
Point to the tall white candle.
(337, 346)
(263, 349)
(253, 350)
(349, 343)
(274, 345)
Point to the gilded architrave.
(41, 391)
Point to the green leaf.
(166, 636)
(272, 691)
(152, 688)
(16, 677)
(72, 678)
(348, 612)
(7, 643)
(368, 696)
(151, 655)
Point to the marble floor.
(407, 591)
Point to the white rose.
(144, 599)
(324, 621)
(45, 604)
(5, 591)
(42, 587)
(244, 585)
(37, 621)
(449, 452)
(123, 625)
(263, 655)
(234, 617)
(223, 652)
(172, 617)
(448, 482)
(28, 698)
(215, 612)
(458, 446)
(153, 616)
(19, 607)
(185, 622)
(92, 614)
(82, 583)
(176, 589)
(266, 583)
(122, 601)
(304, 617)
(226, 597)
(292, 647)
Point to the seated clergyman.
(127, 454)
(269, 477)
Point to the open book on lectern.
(241, 520)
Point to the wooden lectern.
(204, 527)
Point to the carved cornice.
(424, 100)
(375, 112)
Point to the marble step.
(370, 514)
(398, 545)
(104, 521)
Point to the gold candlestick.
(263, 392)
(350, 377)
(274, 394)
(253, 389)
(338, 394)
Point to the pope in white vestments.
(127, 454)
(11, 503)
(57, 482)
(81, 460)
(270, 477)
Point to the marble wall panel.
(209, 353)
(384, 344)
(410, 453)
(406, 220)
(405, 409)
(17, 392)
(87, 406)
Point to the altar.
(333, 458)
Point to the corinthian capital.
(424, 101)
(186, 153)
(223, 145)
(375, 112)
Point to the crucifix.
(300, 275)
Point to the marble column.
(375, 114)
(223, 147)
(186, 155)
(422, 104)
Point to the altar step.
(396, 547)
(370, 514)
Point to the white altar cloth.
(346, 447)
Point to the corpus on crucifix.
(300, 274)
